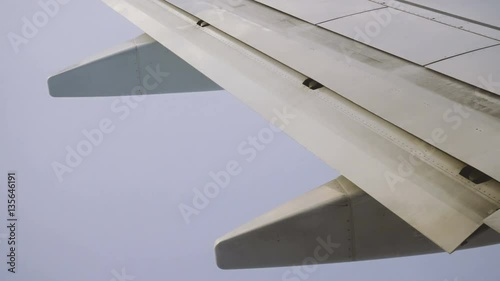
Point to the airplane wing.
(400, 97)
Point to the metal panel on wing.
(411, 37)
(316, 11)
(484, 11)
(445, 18)
(479, 68)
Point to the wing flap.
(408, 95)
(336, 222)
(434, 198)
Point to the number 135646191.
(11, 221)
(11, 194)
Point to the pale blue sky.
(119, 208)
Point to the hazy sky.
(116, 213)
